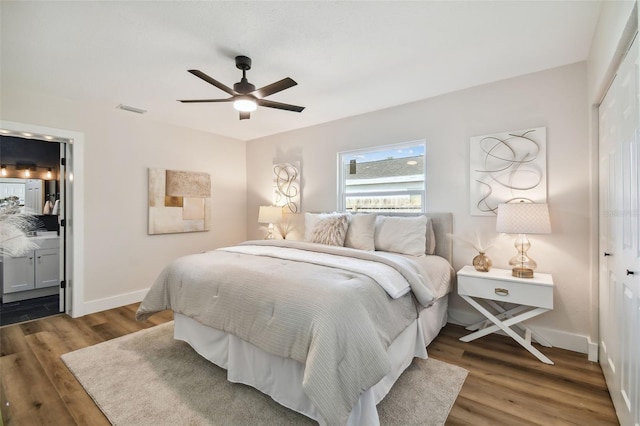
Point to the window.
(386, 178)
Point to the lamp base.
(270, 235)
(522, 272)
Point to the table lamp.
(523, 218)
(270, 215)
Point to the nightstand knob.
(501, 291)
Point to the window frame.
(341, 190)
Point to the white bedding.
(392, 281)
(438, 270)
(277, 313)
(281, 378)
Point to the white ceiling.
(348, 58)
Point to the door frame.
(74, 220)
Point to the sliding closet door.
(619, 155)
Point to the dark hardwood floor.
(506, 385)
(30, 309)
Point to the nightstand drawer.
(507, 290)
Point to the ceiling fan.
(244, 95)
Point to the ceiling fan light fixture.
(244, 95)
(245, 104)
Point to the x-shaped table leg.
(529, 332)
(504, 326)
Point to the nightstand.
(534, 296)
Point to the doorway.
(73, 213)
(32, 181)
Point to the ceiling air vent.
(131, 109)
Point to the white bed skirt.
(281, 378)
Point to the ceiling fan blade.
(245, 115)
(214, 82)
(190, 101)
(272, 88)
(279, 105)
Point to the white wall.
(120, 259)
(555, 98)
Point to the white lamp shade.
(270, 214)
(523, 218)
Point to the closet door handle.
(606, 254)
(630, 272)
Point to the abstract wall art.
(286, 187)
(507, 166)
(179, 201)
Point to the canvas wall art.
(507, 166)
(179, 201)
(286, 187)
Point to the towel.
(47, 207)
(55, 207)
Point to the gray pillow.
(360, 232)
(431, 238)
(405, 235)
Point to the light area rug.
(148, 378)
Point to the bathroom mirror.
(33, 194)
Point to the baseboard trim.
(559, 339)
(593, 351)
(107, 303)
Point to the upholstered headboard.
(442, 225)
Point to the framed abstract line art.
(286, 186)
(179, 201)
(507, 166)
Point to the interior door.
(619, 155)
(609, 230)
(628, 268)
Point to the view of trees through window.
(389, 178)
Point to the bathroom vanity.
(34, 274)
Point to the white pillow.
(405, 235)
(360, 232)
(330, 231)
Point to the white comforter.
(333, 316)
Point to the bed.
(323, 326)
